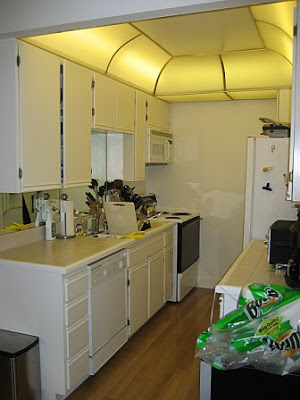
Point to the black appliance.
(188, 243)
(279, 242)
(292, 275)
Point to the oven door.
(188, 244)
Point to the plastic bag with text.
(263, 332)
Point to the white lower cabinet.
(156, 283)
(76, 328)
(168, 263)
(149, 274)
(138, 296)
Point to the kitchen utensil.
(117, 184)
(90, 197)
(148, 208)
(137, 200)
(121, 217)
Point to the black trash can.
(19, 366)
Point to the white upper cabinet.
(77, 123)
(114, 105)
(125, 108)
(164, 115)
(140, 137)
(152, 111)
(158, 114)
(30, 118)
(105, 102)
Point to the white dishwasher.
(107, 308)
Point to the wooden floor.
(158, 362)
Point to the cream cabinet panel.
(164, 115)
(168, 271)
(40, 118)
(156, 283)
(76, 328)
(158, 114)
(140, 137)
(138, 296)
(30, 118)
(105, 102)
(77, 123)
(152, 112)
(125, 108)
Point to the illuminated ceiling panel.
(277, 14)
(139, 63)
(188, 98)
(191, 74)
(91, 47)
(253, 94)
(256, 70)
(195, 56)
(204, 33)
(276, 40)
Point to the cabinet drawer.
(76, 286)
(168, 239)
(77, 369)
(76, 310)
(77, 337)
(142, 252)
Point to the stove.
(177, 216)
(186, 249)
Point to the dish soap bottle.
(50, 225)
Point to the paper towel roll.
(67, 218)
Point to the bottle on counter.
(50, 226)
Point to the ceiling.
(230, 54)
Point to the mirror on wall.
(99, 155)
(19, 208)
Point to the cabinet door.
(164, 116)
(138, 297)
(125, 108)
(140, 137)
(168, 265)
(77, 125)
(156, 283)
(39, 118)
(153, 112)
(105, 98)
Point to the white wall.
(208, 174)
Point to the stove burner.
(172, 217)
(181, 213)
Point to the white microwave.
(158, 147)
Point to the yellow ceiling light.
(191, 74)
(276, 40)
(139, 63)
(206, 56)
(253, 94)
(188, 98)
(90, 47)
(277, 14)
(256, 70)
(204, 33)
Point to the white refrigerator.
(266, 186)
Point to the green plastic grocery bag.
(263, 332)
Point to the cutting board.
(121, 217)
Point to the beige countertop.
(64, 255)
(250, 267)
